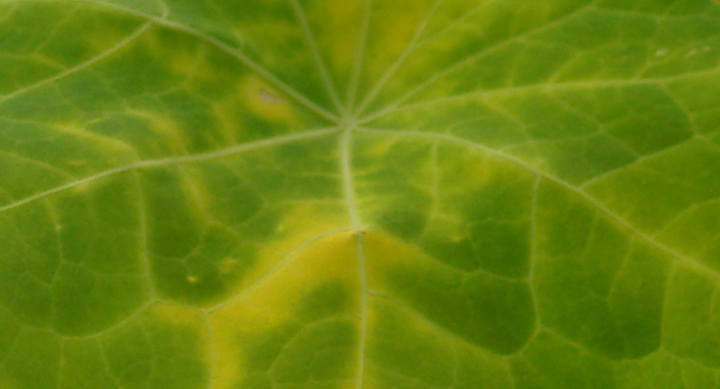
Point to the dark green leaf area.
(484, 310)
(34, 359)
(404, 220)
(87, 302)
(495, 232)
(177, 355)
(642, 119)
(692, 318)
(296, 172)
(194, 257)
(73, 28)
(407, 352)
(483, 226)
(84, 367)
(157, 348)
(327, 300)
(550, 362)
(663, 369)
(51, 261)
(594, 284)
(175, 215)
(132, 350)
(28, 269)
(206, 274)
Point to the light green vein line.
(329, 85)
(40, 164)
(547, 87)
(144, 251)
(530, 167)
(274, 270)
(49, 34)
(533, 262)
(436, 326)
(106, 140)
(533, 236)
(695, 207)
(362, 273)
(568, 340)
(345, 154)
(175, 161)
(637, 163)
(213, 354)
(359, 57)
(61, 365)
(80, 66)
(434, 209)
(508, 371)
(282, 86)
(52, 212)
(9, 349)
(380, 84)
(132, 316)
(6, 16)
(489, 50)
(117, 384)
(451, 25)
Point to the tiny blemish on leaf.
(192, 279)
(661, 52)
(228, 265)
(268, 97)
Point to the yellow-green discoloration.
(364, 194)
(274, 300)
(264, 101)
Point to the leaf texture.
(359, 194)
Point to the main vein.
(346, 167)
(359, 58)
(174, 161)
(345, 153)
(380, 84)
(329, 85)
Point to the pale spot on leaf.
(269, 97)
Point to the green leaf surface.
(359, 194)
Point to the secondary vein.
(173, 161)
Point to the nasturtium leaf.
(359, 194)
